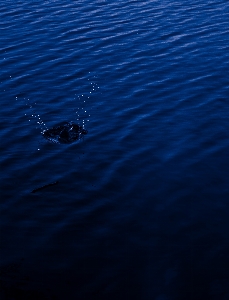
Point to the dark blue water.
(140, 210)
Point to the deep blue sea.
(138, 208)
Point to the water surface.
(140, 210)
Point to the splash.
(33, 115)
(82, 114)
(64, 133)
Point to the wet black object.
(64, 133)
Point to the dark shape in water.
(44, 186)
(64, 133)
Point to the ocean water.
(139, 208)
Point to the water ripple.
(149, 80)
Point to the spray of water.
(82, 113)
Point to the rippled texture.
(140, 210)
